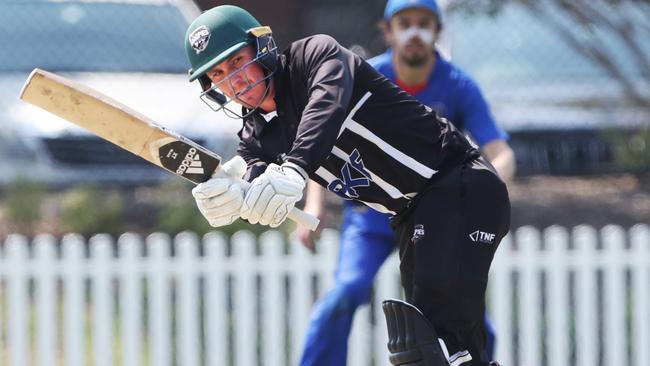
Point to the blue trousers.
(366, 241)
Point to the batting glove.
(273, 194)
(220, 198)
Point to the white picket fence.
(557, 297)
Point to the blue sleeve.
(382, 63)
(476, 115)
(375, 61)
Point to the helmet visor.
(217, 99)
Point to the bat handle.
(301, 217)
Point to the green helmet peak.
(217, 34)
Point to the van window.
(91, 36)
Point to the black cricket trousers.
(447, 241)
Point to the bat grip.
(301, 217)
(296, 215)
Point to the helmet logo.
(199, 38)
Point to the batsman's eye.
(236, 61)
(216, 75)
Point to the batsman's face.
(241, 78)
(412, 33)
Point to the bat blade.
(128, 129)
(119, 124)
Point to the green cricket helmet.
(216, 35)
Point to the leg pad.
(412, 341)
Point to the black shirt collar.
(258, 119)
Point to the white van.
(131, 50)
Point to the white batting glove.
(272, 195)
(220, 198)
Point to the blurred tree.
(89, 210)
(177, 212)
(586, 26)
(613, 35)
(633, 150)
(23, 205)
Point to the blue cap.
(394, 6)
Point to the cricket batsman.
(318, 111)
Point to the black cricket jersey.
(350, 128)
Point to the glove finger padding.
(272, 195)
(219, 200)
(281, 213)
(226, 205)
(271, 208)
(252, 194)
(223, 221)
(257, 203)
(234, 193)
(211, 188)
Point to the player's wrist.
(294, 170)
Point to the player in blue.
(411, 28)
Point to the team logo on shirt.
(418, 233)
(346, 187)
(482, 237)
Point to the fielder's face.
(412, 34)
(241, 78)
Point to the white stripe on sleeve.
(406, 160)
(354, 110)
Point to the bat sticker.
(188, 161)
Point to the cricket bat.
(128, 129)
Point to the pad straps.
(412, 341)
